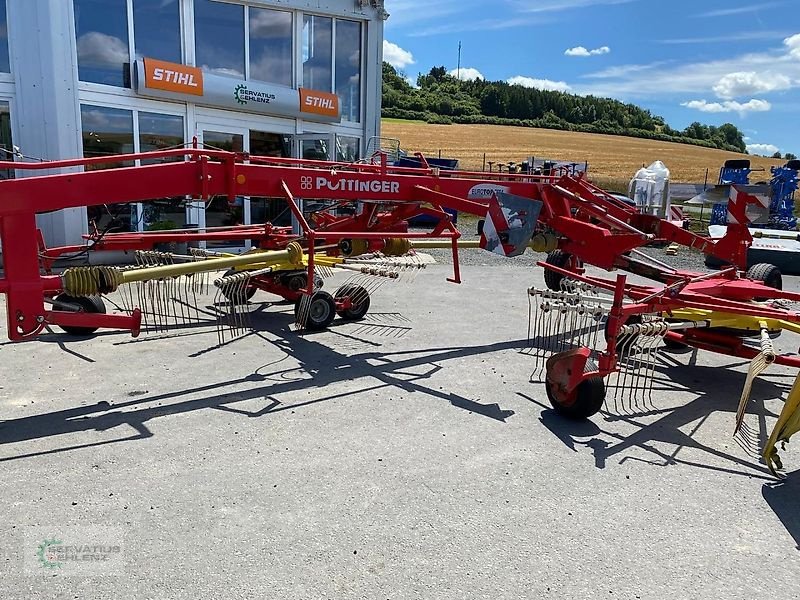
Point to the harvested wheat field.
(611, 158)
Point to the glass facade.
(157, 29)
(106, 132)
(348, 149)
(317, 52)
(219, 37)
(6, 143)
(101, 27)
(271, 46)
(159, 132)
(5, 63)
(348, 68)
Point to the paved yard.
(407, 456)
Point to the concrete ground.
(407, 456)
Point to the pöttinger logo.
(306, 183)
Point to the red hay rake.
(584, 328)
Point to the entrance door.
(218, 211)
(314, 146)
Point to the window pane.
(317, 50)
(101, 27)
(157, 29)
(219, 211)
(271, 46)
(5, 65)
(157, 132)
(263, 143)
(6, 143)
(348, 149)
(348, 68)
(219, 37)
(106, 132)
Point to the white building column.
(42, 41)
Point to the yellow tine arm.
(788, 424)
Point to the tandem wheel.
(321, 311)
(86, 304)
(359, 299)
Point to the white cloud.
(729, 106)
(97, 49)
(762, 149)
(541, 6)
(540, 84)
(581, 51)
(740, 10)
(748, 83)
(396, 56)
(657, 78)
(466, 74)
(793, 45)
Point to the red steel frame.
(592, 226)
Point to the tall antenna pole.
(459, 61)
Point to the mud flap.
(510, 224)
(788, 424)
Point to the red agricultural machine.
(585, 326)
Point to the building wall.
(71, 88)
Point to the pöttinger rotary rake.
(586, 327)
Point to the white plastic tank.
(649, 188)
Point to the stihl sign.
(319, 103)
(172, 77)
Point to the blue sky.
(712, 61)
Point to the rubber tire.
(591, 394)
(326, 317)
(250, 290)
(355, 313)
(768, 274)
(481, 224)
(88, 304)
(557, 258)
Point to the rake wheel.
(584, 401)
(237, 296)
(87, 304)
(321, 312)
(359, 298)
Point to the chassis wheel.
(585, 401)
(321, 312)
(557, 258)
(88, 304)
(768, 274)
(359, 297)
(235, 294)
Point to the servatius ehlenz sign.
(172, 81)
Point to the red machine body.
(592, 226)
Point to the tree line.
(443, 99)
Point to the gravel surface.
(686, 259)
(408, 456)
